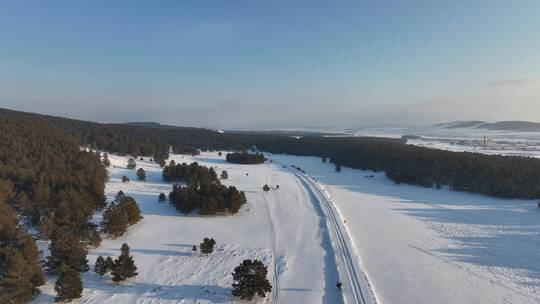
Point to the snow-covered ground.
(283, 228)
(386, 243)
(421, 245)
(464, 139)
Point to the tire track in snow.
(275, 290)
(357, 281)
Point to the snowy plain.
(420, 245)
(492, 142)
(281, 228)
(411, 244)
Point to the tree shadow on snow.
(217, 161)
(162, 252)
(179, 245)
(142, 290)
(147, 251)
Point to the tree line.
(245, 158)
(136, 140)
(509, 177)
(499, 176)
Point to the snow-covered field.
(421, 245)
(282, 228)
(464, 139)
(386, 243)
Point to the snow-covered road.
(356, 287)
(421, 246)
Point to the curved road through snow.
(356, 287)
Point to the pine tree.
(219, 153)
(162, 197)
(131, 163)
(106, 162)
(68, 285)
(124, 267)
(209, 206)
(94, 239)
(23, 204)
(224, 174)
(119, 196)
(207, 246)
(129, 207)
(141, 175)
(324, 159)
(114, 221)
(66, 248)
(101, 266)
(266, 188)
(109, 263)
(46, 227)
(250, 280)
(338, 167)
(16, 275)
(194, 248)
(212, 173)
(20, 272)
(125, 179)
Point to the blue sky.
(272, 63)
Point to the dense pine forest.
(48, 182)
(137, 140)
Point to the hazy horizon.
(247, 64)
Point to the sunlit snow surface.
(282, 231)
(420, 245)
(415, 245)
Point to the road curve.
(356, 287)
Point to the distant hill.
(517, 126)
(150, 124)
(460, 124)
(514, 125)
